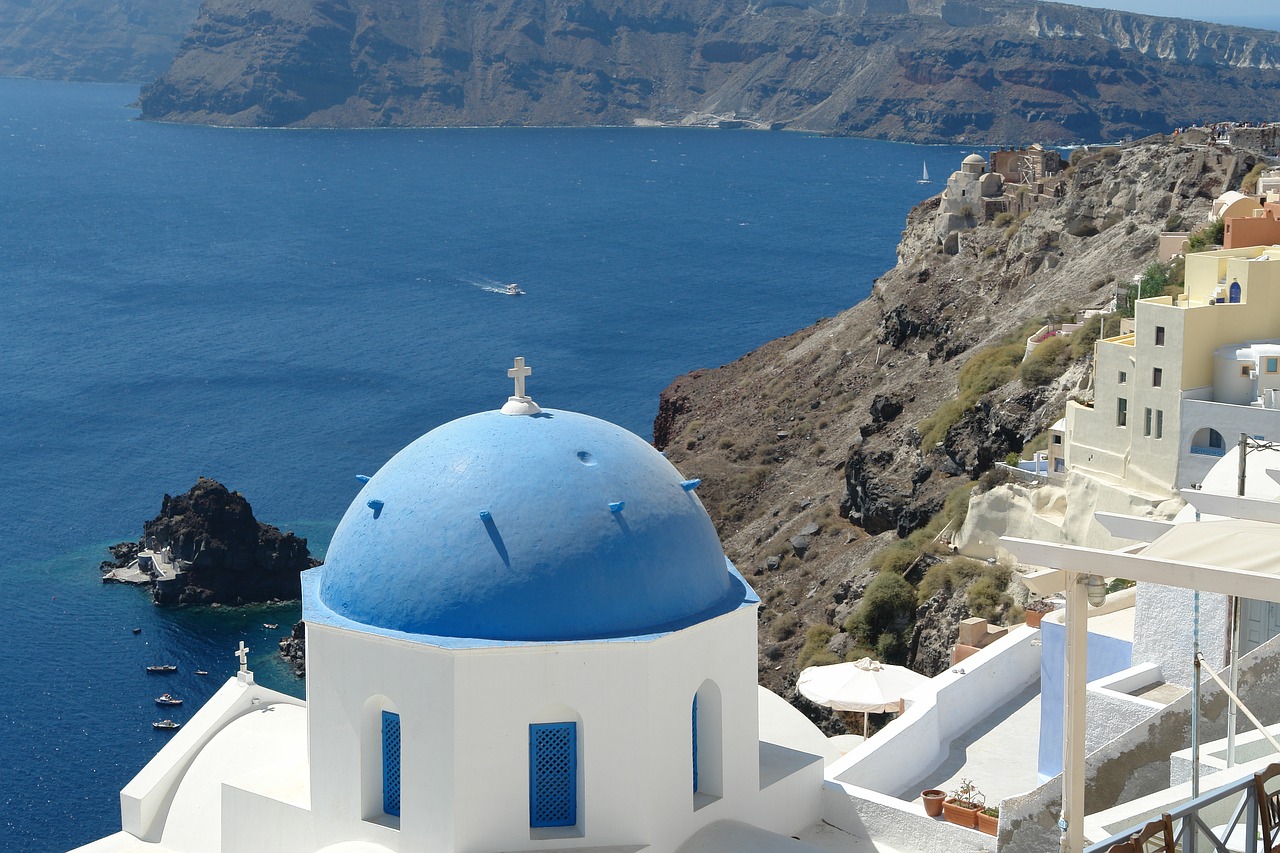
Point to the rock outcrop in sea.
(217, 551)
(979, 71)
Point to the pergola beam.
(1233, 506)
(1095, 561)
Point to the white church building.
(525, 636)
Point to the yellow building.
(1198, 370)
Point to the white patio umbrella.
(863, 685)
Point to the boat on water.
(270, 625)
(202, 672)
(168, 725)
(513, 289)
(162, 667)
(168, 699)
(137, 630)
(924, 175)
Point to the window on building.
(1057, 439)
(1159, 336)
(1159, 423)
(708, 745)
(1122, 412)
(1273, 365)
(391, 763)
(1122, 378)
(1157, 376)
(553, 774)
(695, 744)
(1146, 422)
(1244, 371)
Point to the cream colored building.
(1196, 372)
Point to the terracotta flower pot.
(1033, 618)
(960, 815)
(990, 824)
(933, 801)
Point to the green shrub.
(815, 647)
(1249, 183)
(947, 575)
(888, 604)
(990, 368)
(1206, 238)
(1083, 339)
(784, 627)
(934, 428)
(1003, 219)
(1046, 362)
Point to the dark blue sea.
(283, 310)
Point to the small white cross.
(243, 654)
(518, 373)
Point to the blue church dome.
(542, 527)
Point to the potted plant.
(962, 805)
(1036, 610)
(989, 820)
(933, 798)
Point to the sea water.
(284, 310)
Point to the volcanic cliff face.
(228, 556)
(927, 70)
(810, 449)
(123, 41)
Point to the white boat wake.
(490, 285)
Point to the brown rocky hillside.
(809, 448)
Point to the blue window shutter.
(695, 744)
(391, 763)
(553, 774)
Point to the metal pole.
(1244, 451)
(1233, 626)
(1075, 677)
(1233, 660)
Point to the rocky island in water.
(206, 547)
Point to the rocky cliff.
(815, 440)
(224, 554)
(924, 70)
(123, 41)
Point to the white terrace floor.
(999, 754)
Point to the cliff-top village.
(1103, 715)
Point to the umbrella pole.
(864, 724)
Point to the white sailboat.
(924, 176)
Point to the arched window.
(707, 735)
(1208, 442)
(1234, 293)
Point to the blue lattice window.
(391, 763)
(695, 744)
(553, 774)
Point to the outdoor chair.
(1268, 808)
(1156, 837)
(1129, 846)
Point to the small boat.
(162, 667)
(168, 699)
(513, 289)
(924, 176)
(168, 725)
(202, 672)
(271, 626)
(137, 630)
